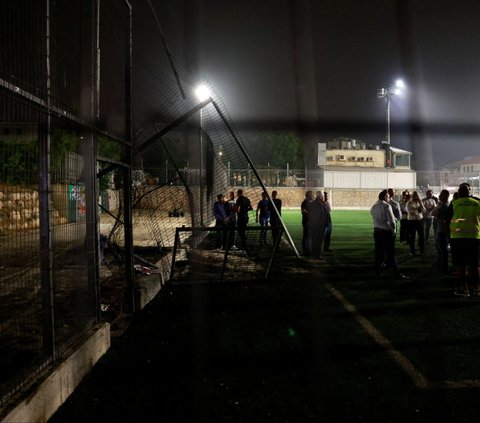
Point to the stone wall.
(346, 199)
(353, 199)
(166, 198)
(19, 206)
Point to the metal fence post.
(127, 176)
(46, 237)
(46, 264)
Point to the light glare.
(202, 92)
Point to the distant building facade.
(350, 164)
(465, 170)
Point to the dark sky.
(317, 65)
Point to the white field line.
(419, 380)
(460, 384)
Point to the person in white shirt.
(415, 210)
(404, 219)
(384, 235)
(429, 203)
(328, 230)
(397, 212)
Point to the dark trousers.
(263, 230)
(441, 245)
(384, 250)
(416, 227)
(427, 224)
(241, 228)
(403, 230)
(231, 234)
(276, 226)
(328, 236)
(465, 256)
(317, 235)
(306, 240)
(221, 228)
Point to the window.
(402, 160)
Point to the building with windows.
(350, 164)
(465, 170)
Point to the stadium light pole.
(203, 94)
(387, 93)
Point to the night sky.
(316, 66)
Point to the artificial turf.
(352, 230)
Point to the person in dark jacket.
(306, 227)
(275, 219)
(243, 206)
(317, 220)
(221, 220)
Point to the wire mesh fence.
(72, 204)
(20, 290)
(49, 101)
(186, 146)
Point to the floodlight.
(202, 92)
(386, 93)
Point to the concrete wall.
(47, 397)
(370, 180)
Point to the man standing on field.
(305, 225)
(384, 235)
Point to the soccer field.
(352, 230)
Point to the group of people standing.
(268, 215)
(416, 219)
(316, 223)
(233, 214)
(455, 224)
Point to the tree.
(278, 149)
(19, 162)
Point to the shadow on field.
(320, 341)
